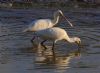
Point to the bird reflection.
(49, 60)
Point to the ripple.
(23, 57)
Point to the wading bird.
(56, 34)
(41, 24)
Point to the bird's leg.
(53, 46)
(32, 40)
(42, 43)
(53, 51)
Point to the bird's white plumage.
(40, 24)
(52, 33)
(55, 34)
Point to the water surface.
(17, 55)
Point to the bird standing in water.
(41, 24)
(56, 34)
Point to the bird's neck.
(56, 19)
(70, 40)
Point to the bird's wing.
(51, 33)
(45, 34)
(40, 24)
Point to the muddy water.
(17, 55)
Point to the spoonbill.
(41, 24)
(46, 23)
(56, 34)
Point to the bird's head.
(59, 12)
(77, 41)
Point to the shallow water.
(17, 55)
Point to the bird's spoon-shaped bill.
(80, 47)
(67, 20)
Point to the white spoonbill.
(56, 34)
(45, 23)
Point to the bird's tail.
(25, 30)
